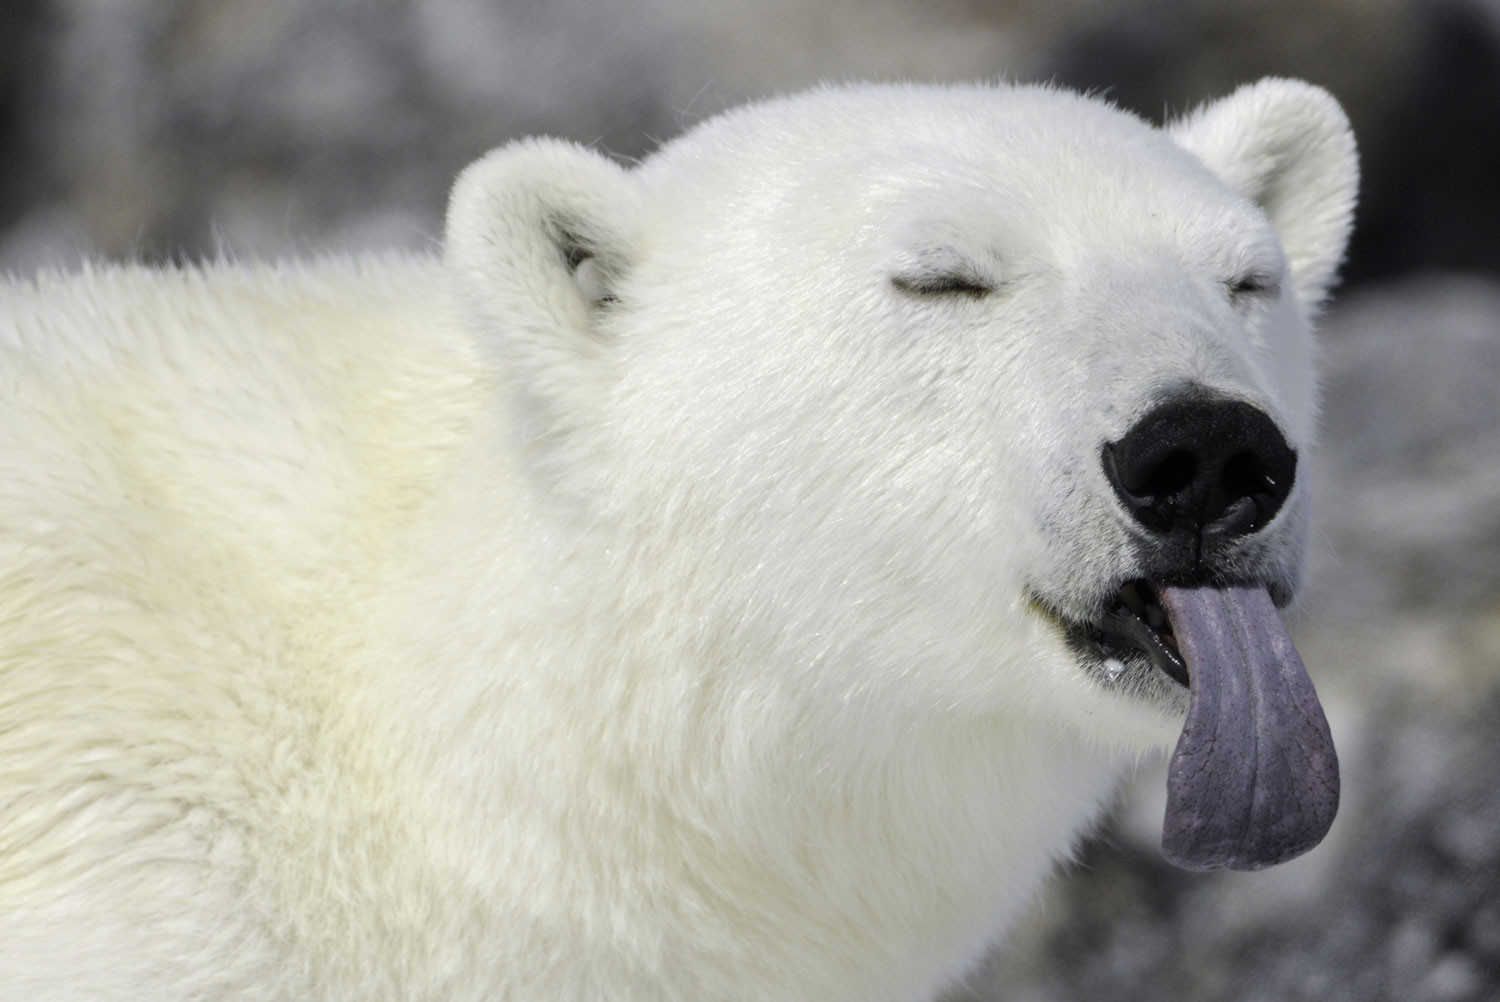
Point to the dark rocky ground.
(178, 129)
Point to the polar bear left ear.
(537, 232)
(1287, 146)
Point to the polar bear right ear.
(536, 234)
(1287, 146)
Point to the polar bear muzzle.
(1254, 779)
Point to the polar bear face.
(863, 351)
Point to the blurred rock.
(176, 128)
(169, 129)
(23, 24)
(172, 129)
(1410, 495)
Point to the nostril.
(1245, 476)
(1173, 475)
(1250, 493)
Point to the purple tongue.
(1254, 780)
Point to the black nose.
(1214, 467)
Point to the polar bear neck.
(718, 789)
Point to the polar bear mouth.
(1137, 622)
(1132, 634)
(1254, 778)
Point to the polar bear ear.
(1287, 146)
(537, 233)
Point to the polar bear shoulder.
(202, 474)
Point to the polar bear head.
(977, 399)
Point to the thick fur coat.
(658, 596)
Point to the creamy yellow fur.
(486, 628)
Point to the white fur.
(654, 628)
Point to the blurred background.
(175, 130)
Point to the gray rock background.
(179, 129)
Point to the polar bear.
(736, 576)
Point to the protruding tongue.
(1254, 780)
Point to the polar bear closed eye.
(739, 576)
